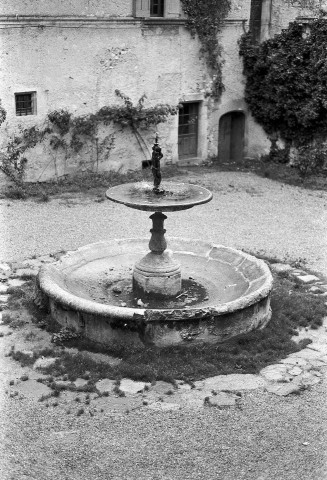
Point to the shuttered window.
(157, 8)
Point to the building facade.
(74, 54)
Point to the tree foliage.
(286, 82)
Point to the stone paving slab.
(105, 385)
(30, 389)
(80, 382)
(132, 387)
(233, 382)
(308, 279)
(275, 373)
(281, 267)
(44, 362)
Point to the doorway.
(231, 137)
(188, 124)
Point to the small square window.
(25, 103)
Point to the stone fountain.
(141, 292)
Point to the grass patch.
(292, 307)
(279, 172)
(25, 359)
(87, 182)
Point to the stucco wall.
(285, 11)
(118, 8)
(80, 69)
(75, 53)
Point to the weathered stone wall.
(119, 8)
(285, 11)
(80, 69)
(75, 53)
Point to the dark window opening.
(255, 19)
(25, 103)
(156, 8)
(188, 124)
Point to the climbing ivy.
(205, 19)
(286, 83)
(69, 133)
(136, 117)
(13, 161)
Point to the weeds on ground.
(85, 182)
(292, 307)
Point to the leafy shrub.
(286, 86)
(311, 158)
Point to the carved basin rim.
(50, 274)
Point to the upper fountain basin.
(176, 196)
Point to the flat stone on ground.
(4, 298)
(161, 388)
(132, 387)
(80, 382)
(295, 371)
(181, 385)
(280, 267)
(16, 282)
(222, 400)
(283, 389)
(32, 389)
(306, 279)
(316, 290)
(308, 379)
(3, 288)
(105, 385)
(274, 373)
(44, 362)
(233, 382)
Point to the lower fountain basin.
(225, 293)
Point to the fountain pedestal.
(158, 272)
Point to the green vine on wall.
(13, 161)
(71, 133)
(205, 19)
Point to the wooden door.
(188, 130)
(231, 137)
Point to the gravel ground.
(248, 212)
(268, 438)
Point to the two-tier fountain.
(195, 291)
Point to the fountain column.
(158, 272)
